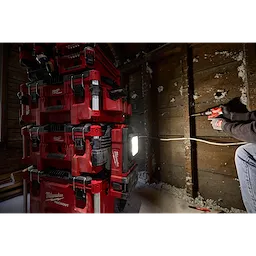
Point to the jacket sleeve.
(241, 131)
(249, 116)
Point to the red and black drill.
(233, 105)
(211, 113)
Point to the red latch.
(96, 186)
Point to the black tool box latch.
(24, 100)
(81, 192)
(78, 89)
(79, 143)
(34, 97)
(89, 55)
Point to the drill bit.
(204, 113)
(199, 114)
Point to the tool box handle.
(52, 108)
(55, 156)
(60, 185)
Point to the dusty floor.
(164, 198)
(156, 198)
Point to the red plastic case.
(72, 102)
(83, 149)
(55, 194)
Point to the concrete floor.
(14, 205)
(144, 199)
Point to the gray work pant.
(245, 160)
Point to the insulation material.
(241, 70)
(181, 90)
(220, 94)
(217, 76)
(196, 59)
(134, 95)
(149, 70)
(144, 178)
(242, 73)
(160, 88)
(127, 61)
(196, 96)
(198, 201)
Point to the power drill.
(234, 105)
(211, 112)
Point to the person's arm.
(241, 131)
(249, 116)
(233, 116)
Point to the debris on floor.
(154, 198)
(198, 202)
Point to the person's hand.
(226, 112)
(217, 123)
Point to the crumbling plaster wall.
(220, 72)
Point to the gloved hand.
(236, 116)
(217, 123)
(226, 112)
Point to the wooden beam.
(145, 96)
(4, 52)
(189, 125)
(155, 55)
(115, 53)
(154, 124)
(148, 118)
(250, 64)
(194, 42)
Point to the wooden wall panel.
(169, 90)
(216, 67)
(10, 156)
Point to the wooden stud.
(189, 126)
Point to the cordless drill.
(211, 112)
(233, 105)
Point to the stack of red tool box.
(73, 111)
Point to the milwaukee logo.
(55, 198)
(115, 158)
(58, 138)
(56, 91)
(49, 196)
(61, 203)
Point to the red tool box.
(82, 149)
(26, 58)
(73, 58)
(58, 192)
(81, 98)
(105, 66)
(39, 60)
(65, 47)
(82, 154)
